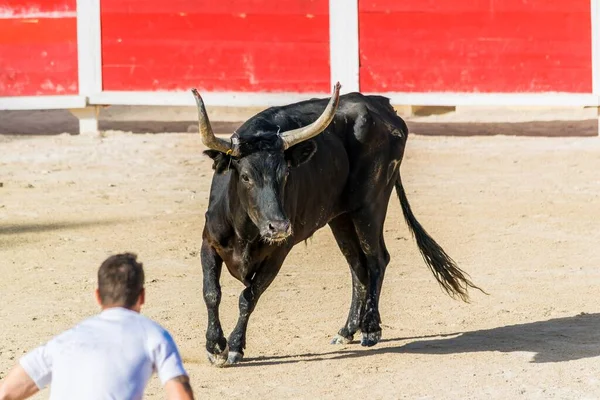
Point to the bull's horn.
(208, 137)
(296, 136)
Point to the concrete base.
(88, 119)
(419, 111)
(598, 119)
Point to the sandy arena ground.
(520, 214)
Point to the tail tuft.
(451, 278)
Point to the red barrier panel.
(226, 45)
(38, 47)
(475, 46)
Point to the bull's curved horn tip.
(337, 86)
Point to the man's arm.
(179, 388)
(18, 385)
(169, 367)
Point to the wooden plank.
(38, 56)
(246, 46)
(344, 62)
(289, 7)
(33, 8)
(42, 102)
(462, 6)
(595, 43)
(475, 46)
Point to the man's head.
(121, 282)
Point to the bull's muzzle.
(277, 230)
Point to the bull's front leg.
(264, 277)
(216, 344)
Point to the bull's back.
(374, 137)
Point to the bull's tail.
(452, 279)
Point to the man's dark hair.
(120, 280)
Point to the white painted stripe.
(343, 44)
(549, 99)
(89, 52)
(41, 102)
(274, 99)
(236, 99)
(34, 13)
(595, 7)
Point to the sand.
(520, 214)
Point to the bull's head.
(261, 163)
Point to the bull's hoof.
(219, 359)
(234, 357)
(339, 339)
(370, 339)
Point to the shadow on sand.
(581, 128)
(16, 229)
(52, 122)
(55, 122)
(13, 235)
(554, 340)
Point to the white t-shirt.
(109, 356)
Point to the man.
(111, 355)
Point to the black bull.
(289, 171)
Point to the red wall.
(215, 45)
(38, 47)
(475, 45)
(283, 45)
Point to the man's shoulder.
(71, 336)
(109, 321)
(154, 330)
(74, 329)
(106, 322)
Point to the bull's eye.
(245, 178)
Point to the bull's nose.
(279, 228)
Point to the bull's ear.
(300, 153)
(212, 153)
(221, 161)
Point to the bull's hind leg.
(345, 235)
(368, 223)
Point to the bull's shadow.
(554, 340)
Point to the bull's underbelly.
(304, 229)
(240, 263)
